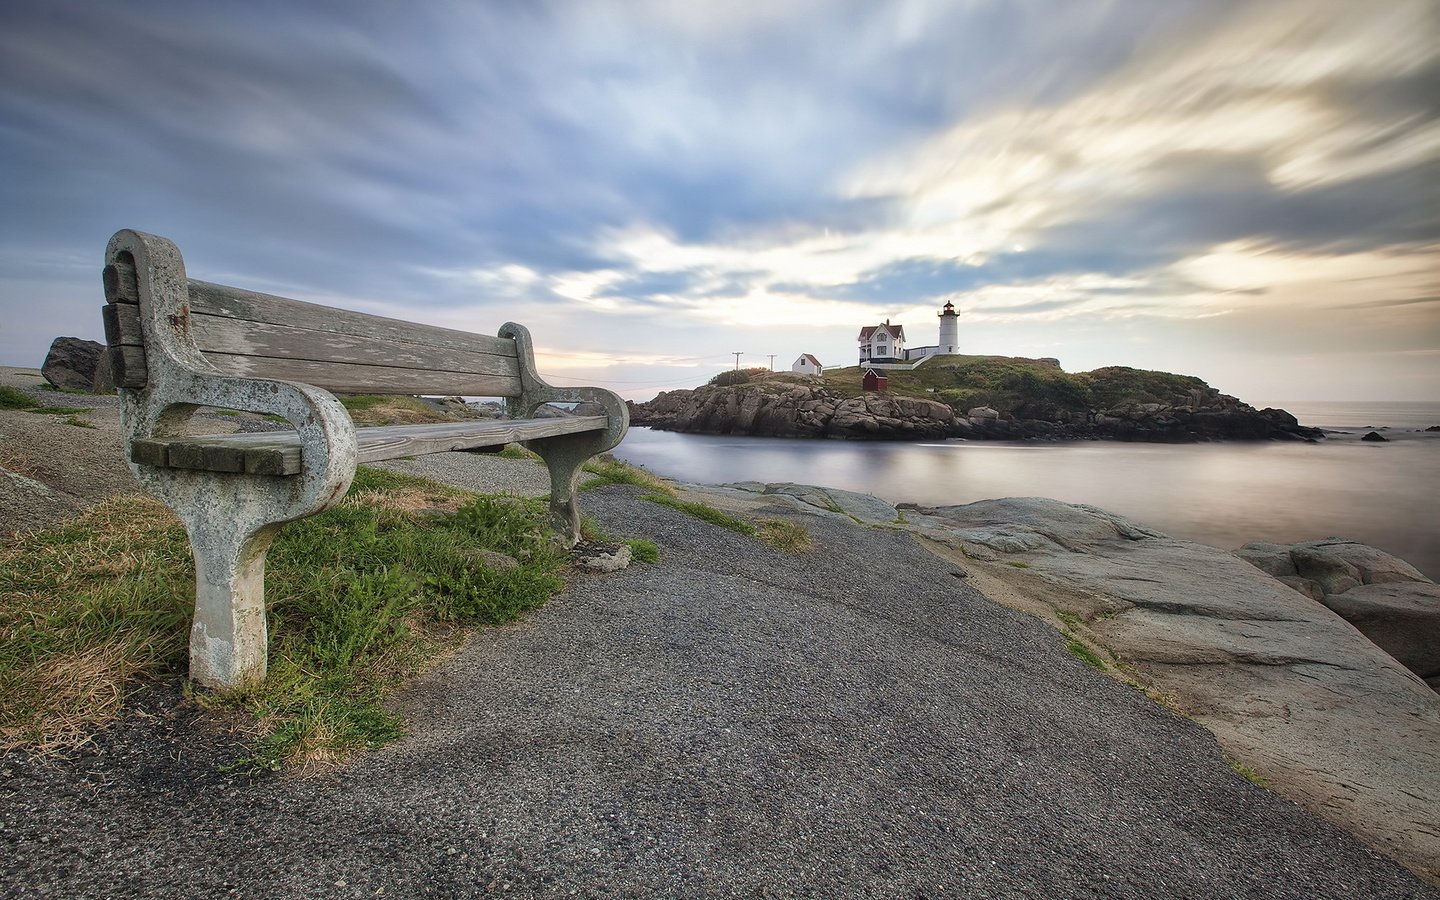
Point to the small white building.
(882, 343)
(807, 365)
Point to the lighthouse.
(949, 342)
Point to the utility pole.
(772, 361)
(738, 354)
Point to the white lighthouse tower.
(949, 342)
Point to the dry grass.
(392, 410)
(408, 500)
(14, 462)
(84, 608)
(791, 537)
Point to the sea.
(1385, 494)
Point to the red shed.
(873, 381)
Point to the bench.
(178, 345)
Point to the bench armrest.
(180, 380)
(536, 392)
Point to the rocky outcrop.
(786, 408)
(74, 364)
(1386, 598)
(790, 409)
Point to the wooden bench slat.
(220, 339)
(351, 378)
(412, 440)
(278, 452)
(236, 303)
(216, 334)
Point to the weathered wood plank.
(122, 325)
(414, 440)
(218, 334)
(236, 303)
(128, 366)
(121, 284)
(278, 452)
(349, 378)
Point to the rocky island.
(977, 397)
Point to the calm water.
(1386, 495)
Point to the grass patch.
(377, 409)
(705, 513)
(643, 551)
(360, 597)
(59, 410)
(1084, 654)
(609, 470)
(1019, 565)
(85, 608)
(14, 398)
(515, 451)
(782, 534)
(78, 422)
(1247, 773)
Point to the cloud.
(687, 170)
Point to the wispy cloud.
(1082, 177)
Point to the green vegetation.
(705, 513)
(14, 398)
(609, 470)
(11, 398)
(375, 409)
(738, 376)
(360, 597)
(1027, 388)
(1247, 773)
(515, 451)
(59, 410)
(1082, 652)
(643, 551)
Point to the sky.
(1248, 192)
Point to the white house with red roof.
(883, 343)
(807, 365)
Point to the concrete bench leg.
(564, 456)
(228, 639)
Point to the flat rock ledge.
(1291, 690)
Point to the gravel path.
(732, 721)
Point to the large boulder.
(75, 364)
(1403, 619)
(1390, 601)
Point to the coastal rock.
(1390, 601)
(1284, 683)
(785, 408)
(75, 364)
(782, 405)
(1403, 619)
(1374, 437)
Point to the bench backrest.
(244, 333)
